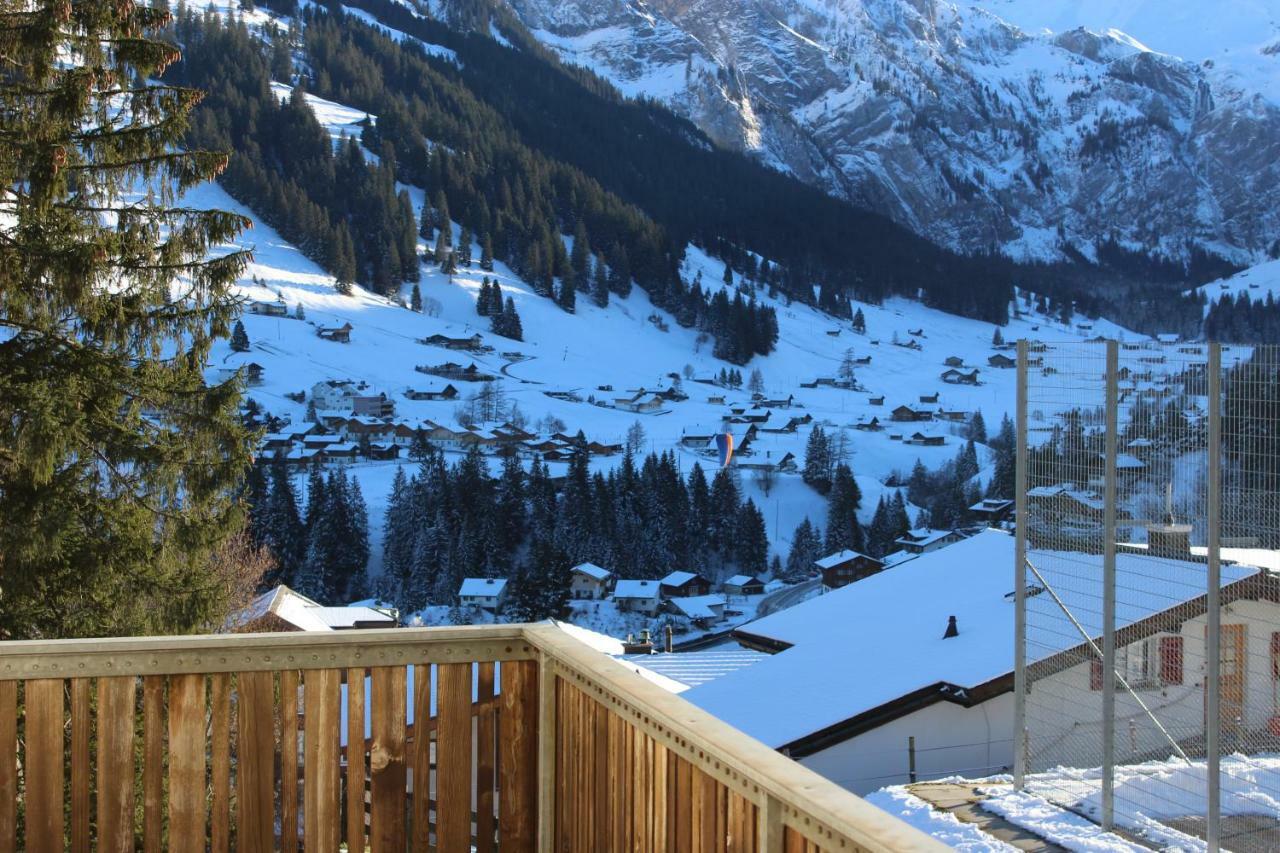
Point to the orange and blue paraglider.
(724, 443)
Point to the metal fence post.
(1020, 578)
(1109, 589)
(1213, 605)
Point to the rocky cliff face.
(957, 123)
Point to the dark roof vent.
(952, 630)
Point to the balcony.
(527, 739)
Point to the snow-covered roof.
(482, 587)
(593, 571)
(698, 606)
(691, 669)
(635, 589)
(903, 614)
(741, 580)
(678, 578)
(1129, 461)
(837, 558)
(349, 617)
(1090, 499)
(923, 536)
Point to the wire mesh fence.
(1148, 666)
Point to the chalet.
(282, 609)
(641, 402)
(875, 401)
(384, 450)
(269, 309)
(702, 611)
(340, 334)
(485, 593)
(1168, 337)
(925, 540)
(993, 511)
(960, 377)
(455, 371)
(403, 434)
(276, 440)
(716, 400)
(872, 425)
(1065, 509)
(333, 394)
(303, 457)
(954, 361)
(956, 697)
(919, 439)
(905, 413)
(1002, 361)
(865, 360)
(683, 584)
(319, 441)
(744, 585)
(918, 333)
(599, 448)
(773, 460)
(929, 399)
(433, 391)
(699, 436)
(637, 596)
(777, 403)
(472, 343)
(953, 415)
(844, 567)
(587, 580)
(342, 452)
(376, 405)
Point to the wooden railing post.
(770, 831)
(546, 754)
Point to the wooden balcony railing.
(516, 738)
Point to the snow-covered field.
(620, 347)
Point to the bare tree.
(635, 438)
(766, 478)
(237, 570)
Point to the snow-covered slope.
(1031, 126)
(619, 346)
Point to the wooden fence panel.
(421, 756)
(321, 783)
(116, 698)
(356, 770)
(486, 759)
(187, 762)
(81, 774)
(8, 765)
(220, 762)
(153, 694)
(255, 767)
(289, 761)
(518, 757)
(386, 760)
(45, 726)
(453, 757)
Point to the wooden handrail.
(811, 804)
(558, 719)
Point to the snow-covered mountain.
(1040, 127)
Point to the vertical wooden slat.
(453, 757)
(355, 759)
(794, 841)
(386, 759)
(660, 798)
(186, 762)
(80, 772)
(722, 817)
(45, 725)
(603, 791)
(422, 756)
(116, 697)
(220, 766)
(563, 778)
(485, 760)
(684, 802)
(8, 765)
(321, 785)
(153, 690)
(255, 762)
(518, 765)
(289, 761)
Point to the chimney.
(667, 644)
(1169, 539)
(643, 646)
(952, 630)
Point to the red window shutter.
(1171, 660)
(1275, 655)
(1095, 674)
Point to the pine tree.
(507, 324)
(239, 338)
(486, 253)
(817, 461)
(97, 497)
(283, 532)
(397, 541)
(806, 546)
(997, 337)
(415, 299)
(464, 247)
(751, 545)
(843, 529)
(918, 485)
(600, 283)
(859, 322)
(299, 312)
(566, 297)
(977, 428)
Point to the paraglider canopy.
(724, 443)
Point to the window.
(1171, 660)
(1147, 664)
